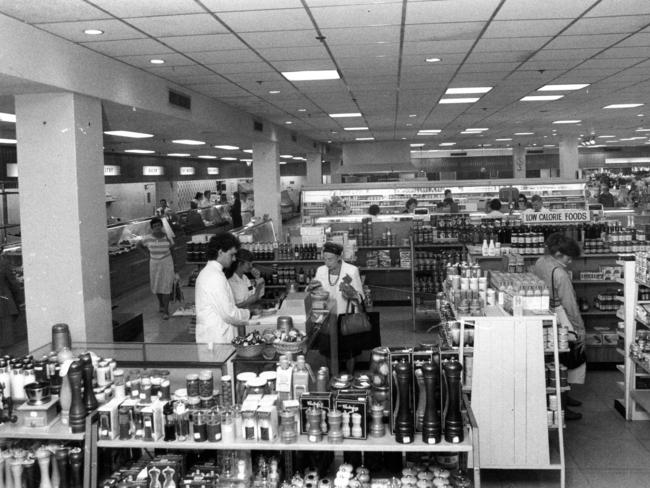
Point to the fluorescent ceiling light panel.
(188, 142)
(7, 141)
(567, 121)
(364, 138)
(432, 60)
(228, 148)
(524, 133)
(7, 117)
(329, 74)
(246, 160)
(286, 155)
(477, 130)
(283, 162)
(93, 32)
(459, 100)
(157, 61)
(418, 145)
(468, 91)
(344, 115)
(642, 130)
(429, 131)
(504, 139)
(569, 87)
(207, 156)
(447, 144)
(128, 133)
(247, 151)
(355, 128)
(540, 98)
(606, 137)
(299, 158)
(179, 155)
(229, 159)
(139, 151)
(288, 122)
(274, 92)
(623, 105)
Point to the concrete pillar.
(336, 161)
(266, 182)
(314, 169)
(569, 157)
(63, 216)
(519, 161)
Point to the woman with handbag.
(551, 268)
(342, 281)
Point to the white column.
(314, 169)
(569, 157)
(63, 216)
(519, 161)
(336, 161)
(266, 182)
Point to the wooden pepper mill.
(7, 457)
(55, 478)
(43, 456)
(404, 427)
(453, 420)
(90, 401)
(377, 428)
(335, 434)
(77, 407)
(2, 469)
(61, 456)
(76, 467)
(16, 466)
(29, 473)
(168, 473)
(421, 400)
(431, 423)
(154, 478)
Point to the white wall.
(131, 200)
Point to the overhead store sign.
(213, 171)
(187, 170)
(556, 217)
(112, 170)
(153, 171)
(627, 160)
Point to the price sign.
(187, 170)
(153, 170)
(112, 170)
(556, 217)
(212, 170)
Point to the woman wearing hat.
(245, 291)
(343, 283)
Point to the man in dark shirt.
(606, 199)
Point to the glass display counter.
(257, 230)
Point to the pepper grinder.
(377, 428)
(76, 467)
(61, 456)
(29, 470)
(55, 477)
(357, 431)
(168, 473)
(335, 434)
(453, 419)
(313, 424)
(65, 395)
(6, 457)
(431, 425)
(2, 468)
(422, 399)
(16, 466)
(403, 420)
(90, 401)
(346, 425)
(43, 456)
(154, 478)
(77, 407)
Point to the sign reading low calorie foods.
(556, 216)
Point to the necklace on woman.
(329, 278)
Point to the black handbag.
(355, 322)
(576, 355)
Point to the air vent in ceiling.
(463, 153)
(535, 151)
(258, 126)
(180, 100)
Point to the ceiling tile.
(179, 71)
(294, 53)
(641, 39)
(353, 35)
(128, 47)
(499, 57)
(267, 20)
(35, 11)
(178, 25)
(291, 38)
(341, 51)
(624, 52)
(146, 8)
(209, 42)
(358, 15)
(443, 32)
(449, 11)
(510, 44)
(525, 28)
(239, 5)
(535, 64)
(548, 9)
(563, 54)
(170, 59)
(74, 31)
(613, 7)
(229, 56)
(575, 42)
(608, 25)
(437, 48)
(487, 67)
(620, 63)
(226, 68)
(303, 65)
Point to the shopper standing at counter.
(217, 315)
(158, 247)
(551, 267)
(235, 211)
(606, 199)
(245, 291)
(411, 203)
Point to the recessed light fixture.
(468, 90)
(179, 155)
(504, 139)
(459, 100)
(428, 132)
(642, 130)
(288, 122)
(188, 142)
(247, 151)
(229, 159)
(329, 74)
(409, 125)
(157, 61)
(274, 92)
(128, 133)
(7, 117)
(227, 147)
(606, 137)
(469, 132)
(364, 138)
(567, 121)
(487, 145)
(302, 110)
(345, 114)
(639, 115)
(299, 158)
(477, 129)
(569, 87)
(418, 144)
(549, 145)
(541, 98)
(524, 133)
(623, 105)
(355, 128)
(283, 162)
(139, 151)
(7, 141)
(412, 115)
(447, 144)
(433, 60)
(207, 156)
(93, 32)
(286, 155)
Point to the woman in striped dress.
(161, 264)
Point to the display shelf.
(287, 261)
(620, 315)
(593, 282)
(56, 431)
(621, 368)
(621, 385)
(378, 246)
(552, 389)
(620, 333)
(598, 312)
(551, 351)
(275, 287)
(386, 443)
(620, 351)
(641, 365)
(642, 398)
(366, 268)
(438, 244)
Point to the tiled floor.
(602, 449)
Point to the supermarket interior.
(324, 244)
